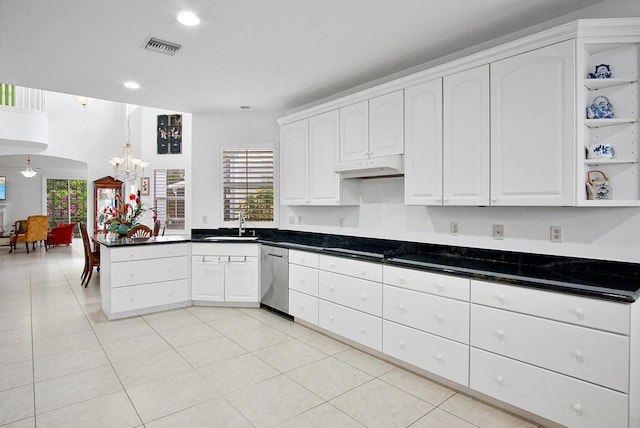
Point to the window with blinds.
(247, 180)
(168, 197)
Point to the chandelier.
(29, 172)
(128, 165)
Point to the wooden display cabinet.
(106, 190)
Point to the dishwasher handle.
(275, 255)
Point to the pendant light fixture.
(29, 172)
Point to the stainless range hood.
(373, 167)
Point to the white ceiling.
(269, 54)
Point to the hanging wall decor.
(169, 134)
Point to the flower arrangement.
(122, 219)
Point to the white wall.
(210, 132)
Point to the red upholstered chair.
(61, 234)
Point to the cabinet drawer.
(149, 251)
(360, 294)
(303, 279)
(600, 314)
(438, 315)
(149, 295)
(355, 325)
(427, 282)
(562, 399)
(591, 355)
(440, 356)
(149, 270)
(303, 306)
(355, 268)
(303, 258)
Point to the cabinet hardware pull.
(578, 408)
(579, 356)
(500, 380)
(579, 314)
(402, 307)
(275, 255)
(363, 297)
(362, 330)
(131, 274)
(401, 343)
(500, 335)
(403, 279)
(500, 298)
(363, 271)
(439, 358)
(440, 318)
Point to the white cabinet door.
(423, 144)
(386, 125)
(207, 278)
(533, 127)
(466, 137)
(354, 131)
(324, 133)
(242, 280)
(294, 163)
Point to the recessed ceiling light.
(131, 85)
(188, 18)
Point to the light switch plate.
(498, 231)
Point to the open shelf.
(595, 84)
(605, 161)
(598, 123)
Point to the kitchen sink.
(230, 238)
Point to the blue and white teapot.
(600, 108)
(602, 71)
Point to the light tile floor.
(62, 363)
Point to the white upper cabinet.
(423, 144)
(386, 125)
(294, 163)
(354, 132)
(466, 137)
(324, 144)
(533, 124)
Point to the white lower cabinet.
(356, 293)
(350, 323)
(144, 278)
(227, 273)
(587, 354)
(562, 399)
(303, 306)
(435, 354)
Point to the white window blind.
(247, 176)
(168, 197)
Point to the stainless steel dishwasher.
(274, 277)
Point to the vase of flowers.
(121, 219)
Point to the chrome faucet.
(241, 223)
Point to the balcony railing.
(22, 98)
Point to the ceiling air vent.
(157, 45)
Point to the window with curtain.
(169, 197)
(66, 201)
(248, 183)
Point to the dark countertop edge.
(522, 281)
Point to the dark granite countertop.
(109, 241)
(602, 279)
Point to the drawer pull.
(579, 314)
(170, 251)
(439, 358)
(331, 318)
(440, 287)
(500, 335)
(302, 281)
(500, 380)
(170, 269)
(363, 297)
(402, 308)
(363, 271)
(131, 254)
(440, 319)
(401, 343)
(579, 357)
(500, 298)
(331, 265)
(362, 330)
(301, 259)
(131, 274)
(331, 288)
(301, 307)
(131, 299)
(577, 408)
(403, 279)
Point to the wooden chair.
(139, 231)
(91, 258)
(156, 227)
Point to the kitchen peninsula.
(142, 275)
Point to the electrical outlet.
(299, 219)
(556, 234)
(205, 219)
(341, 221)
(455, 229)
(292, 219)
(498, 231)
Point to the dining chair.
(140, 231)
(156, 227)
(91, 257)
